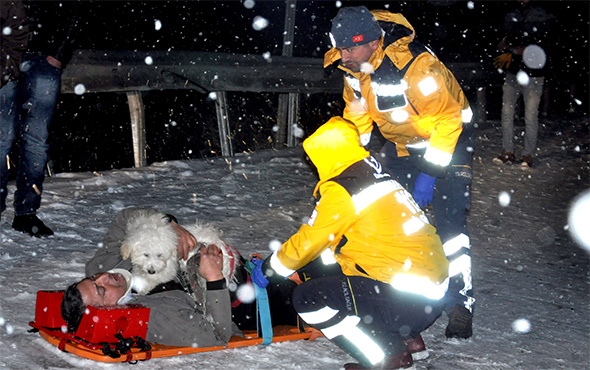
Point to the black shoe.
(460, 323)
(30, 224)
(505, 157)
(527, 161)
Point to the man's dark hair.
(72, 307)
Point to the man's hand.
(186, 241)
(424, 189)
(211, 263)
(54, 62)
(502, 61)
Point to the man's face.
(102, 289)
(353, 57)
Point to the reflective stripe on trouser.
(458, 252)
(369, 319)
(451, 200)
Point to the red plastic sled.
(121, 335)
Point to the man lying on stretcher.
(175, 318)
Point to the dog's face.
(151, 244)
(151, 261)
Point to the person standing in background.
(28, 105)
(526, 64)
(15, 38)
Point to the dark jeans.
(26, 111)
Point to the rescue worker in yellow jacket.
(399, 84)
(393, 271)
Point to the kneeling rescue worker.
(393, 271)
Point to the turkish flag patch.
(357, 38)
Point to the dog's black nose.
(151, 272)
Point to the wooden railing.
(94, 71)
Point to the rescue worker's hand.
(186, 241)
(257, 275)
(424, 189)
(502, 61)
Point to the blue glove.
(257, 275)
(424, 189)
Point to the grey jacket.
(174, 320)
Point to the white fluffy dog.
(151, 243)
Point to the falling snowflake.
(274, 245)
(259, 23)
(522, 78)
(80, 89)
(249, 4)
(367, 68)
(298, 131)
(521, 326)
(246, 293)
(504, 198)
(578, 217)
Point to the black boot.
(460, 323)
(30, 224)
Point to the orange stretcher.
(121, 335)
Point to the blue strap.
(263, 322)
(263, 309)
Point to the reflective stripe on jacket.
(368, 220)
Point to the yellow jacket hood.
(334, 147)
(398, 35)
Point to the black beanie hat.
(354, 26)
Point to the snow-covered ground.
(525, 264)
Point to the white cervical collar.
(129, 279)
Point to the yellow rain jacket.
(370, 223)
(407, 92)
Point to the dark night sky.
(85, 125)
(226, 26)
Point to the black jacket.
(56, 28)
(529, 25)
(13, 19)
